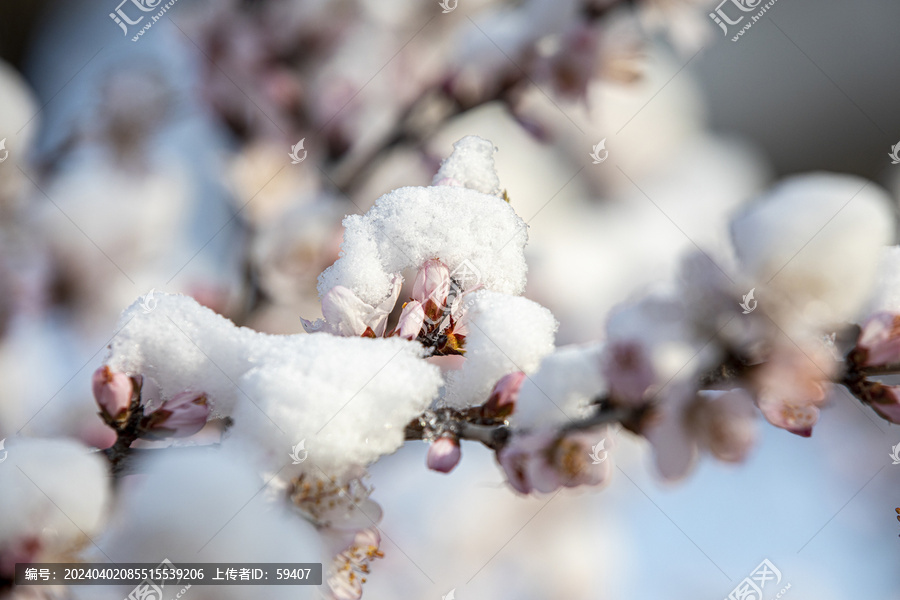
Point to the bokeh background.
(163, 164)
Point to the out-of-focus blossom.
(879, 341)
(544, 461)
(792, 385)
(726, 424)
(55, 496)
(628, 371)
(884, 399)
(112, 391)
(182, 416)
(443, 454)
(722, 423)
(349, 568)
(571, 62)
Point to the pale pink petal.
(432, 283)
(411, 320)
(879, 340)
(629, 372)
(182, 416)
(345, 311)
(726, 424)
(674, 447)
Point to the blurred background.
(158, 159)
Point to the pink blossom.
(112, 391)
(502, 401)
(432, 283)
(686, 422)
(411, 320)
(544, 461)
(879, 340)
(629, 371)
(443, 454)
(791, 386)
(726, 424)
(346, 315)
(885, 399)
(182, 416)
(349, 567)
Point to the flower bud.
(411, 320)
(879, 341)
(432, 283)
(112, 391)
(885, 399)
(182, 416)
(444, 454)
(502, 401)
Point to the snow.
(813, 241)
(471, 165)
(466, 229)
(886, 295)
(53, 489)
(348, 397)
(562, 388)
(505, 334)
